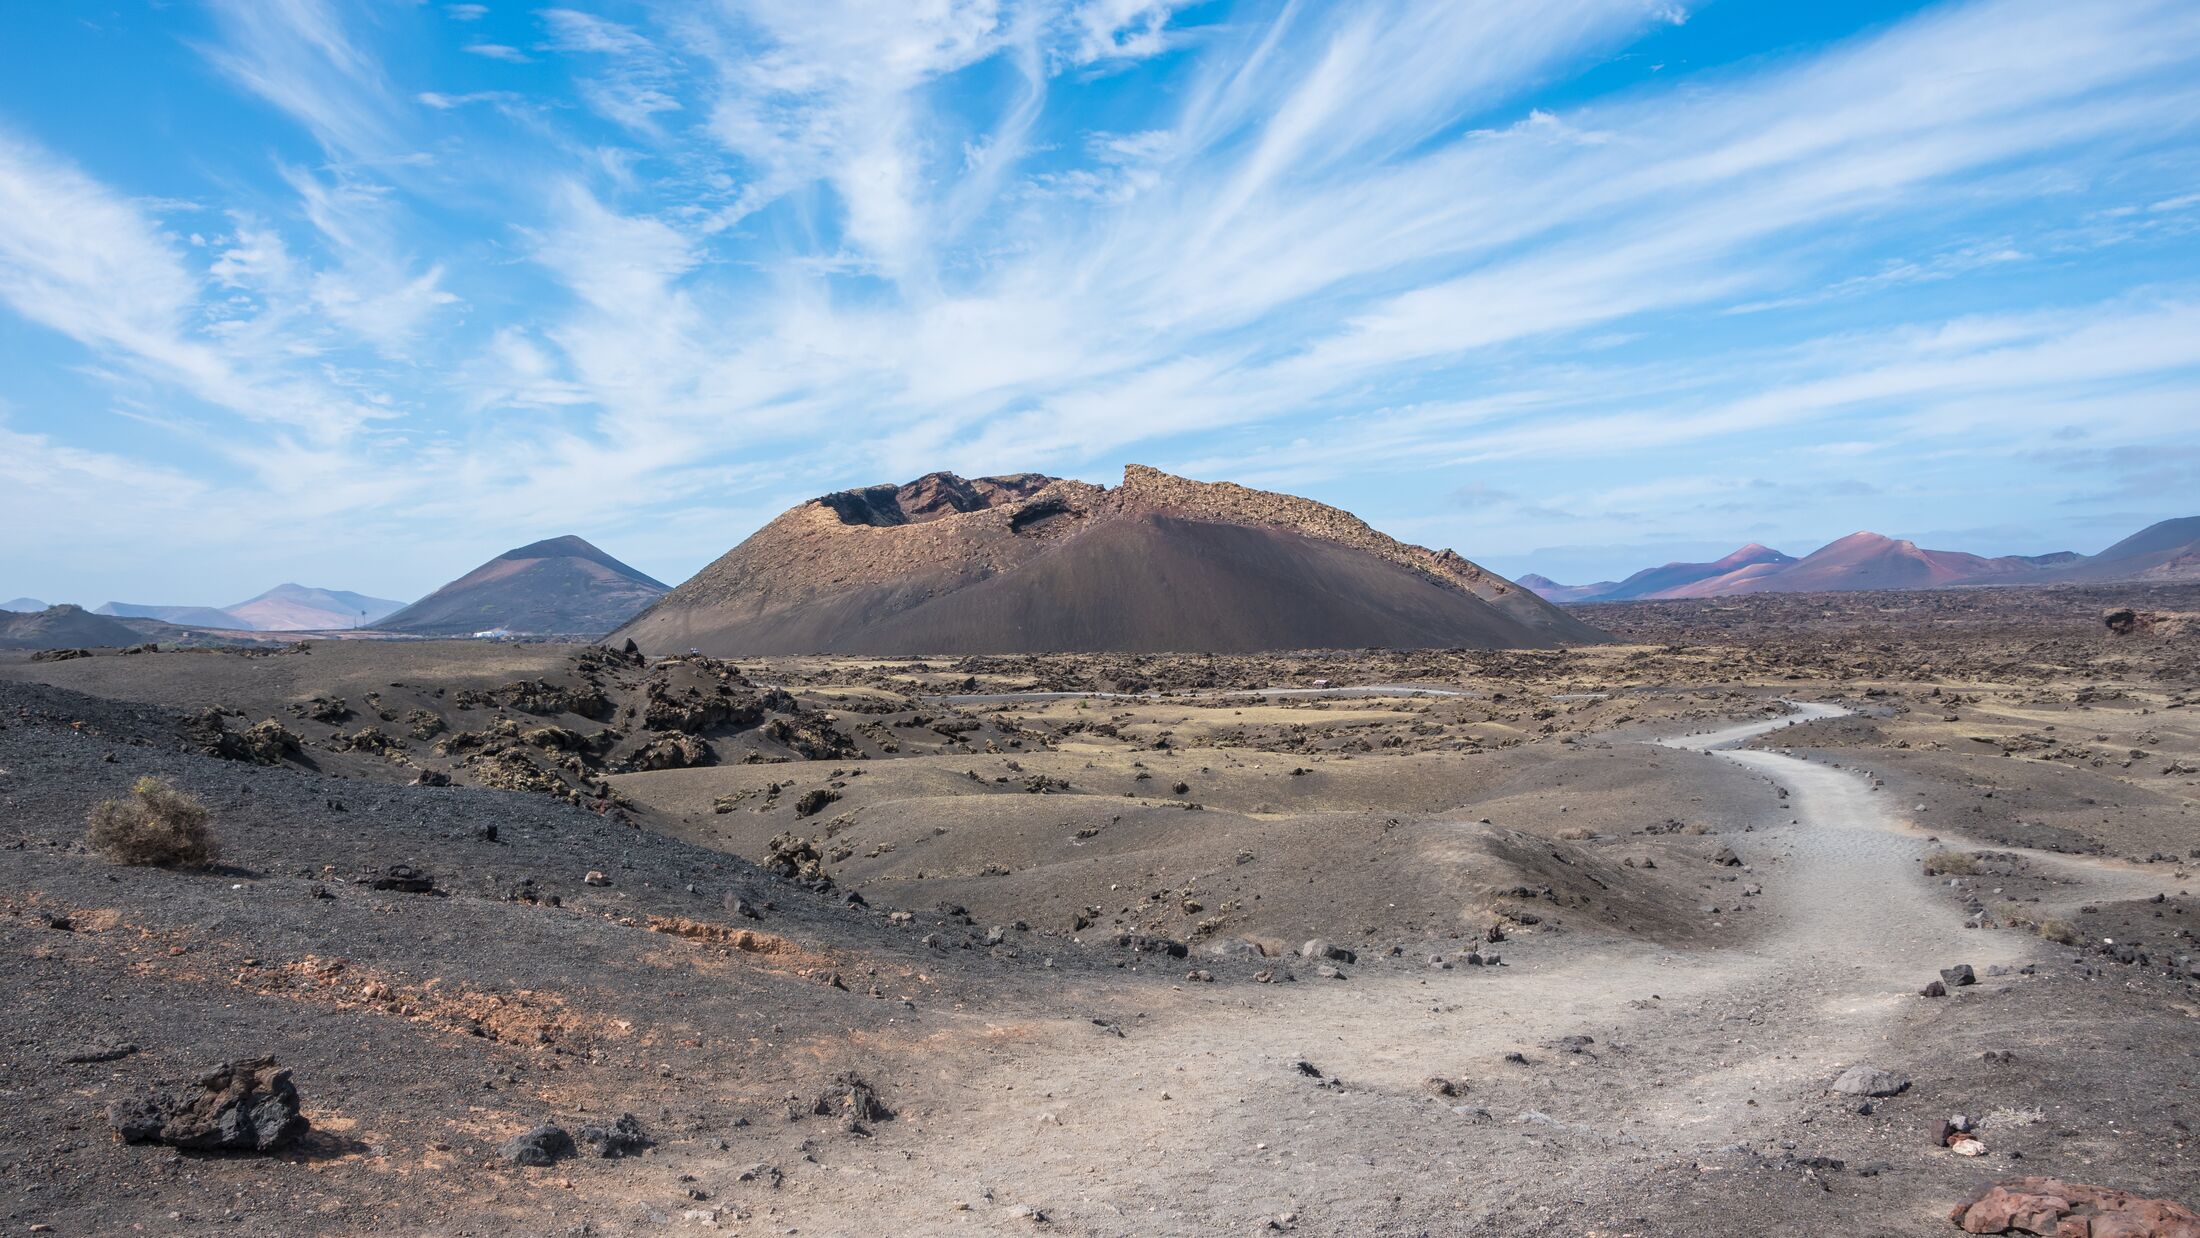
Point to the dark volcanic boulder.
(621, 1138)
(241, 1107)
(544, 1145)
(852, 1099)
(401, 879)
(672, 751)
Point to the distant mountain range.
(2164, 552)
(284, 608)
(558, 587)
(561, 586)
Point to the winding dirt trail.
(1352, 692)
(1857, 919)
(1196, 1120)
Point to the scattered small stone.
(1320, 948)
(1870, 1081)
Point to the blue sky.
(361, 294)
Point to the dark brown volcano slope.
(562, 586)
(63, 627)
(1028, 564)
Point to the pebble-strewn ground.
(1137, 944)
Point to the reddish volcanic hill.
(2164, 552)
(1871, 561)
(303, 608)
(561, 586)
(1668, 581)
(1671, 580)
(1026, 563)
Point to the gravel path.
(1197, 1119)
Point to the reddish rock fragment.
(2056, 1209)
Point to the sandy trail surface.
(1353, 692)
(1188, 1113)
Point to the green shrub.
(156, 825)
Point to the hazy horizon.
(1550, 562)
(363, 295)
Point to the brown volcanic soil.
(1063, 1072)
(1031, 564)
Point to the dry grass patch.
(2061, 931)
(2015, 915)
(157, 825)
(1946, 863)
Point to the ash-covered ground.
(1562, 942)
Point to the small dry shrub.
(1946, 863)
(2016, 915)
(2057, 931)
(156, 825)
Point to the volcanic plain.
(1612, 939)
